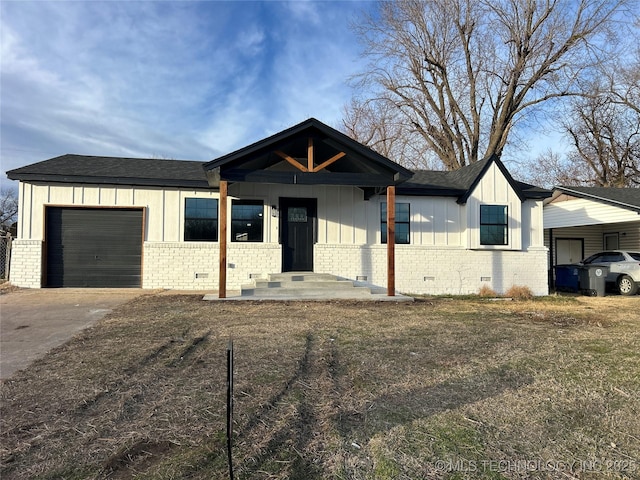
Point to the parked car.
(624, 269)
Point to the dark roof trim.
(310, 123)
(600, 198)
(139, 182)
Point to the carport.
(581, 221)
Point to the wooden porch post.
(391, 240)
(222, 287)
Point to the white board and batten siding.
(494, 189)
(164, 207)
(442, 256)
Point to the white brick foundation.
(419, 270)
(194, 265)
(26, 264)
(428, 270)
(180, 265)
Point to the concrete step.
(307, 284)
(302, 277)
(353, 292)
(304, 285)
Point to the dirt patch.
(135, 458)
(333, 390)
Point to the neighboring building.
(581, 221)
(306, 199)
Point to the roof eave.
(599, 198)
(137, 181)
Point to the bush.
(519, 292)
(487, 291)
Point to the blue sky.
(183, 80)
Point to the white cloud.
(188, 80)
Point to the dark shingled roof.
(460, 183)
(114, 170)
(623, 197)
(191, 174)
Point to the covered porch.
(300, 198)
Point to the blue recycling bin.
(567, 278)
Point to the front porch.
(293, 174)
(307, 286)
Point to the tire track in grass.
(128, 459)
(295, 426)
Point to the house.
(581, 221)
(308, 198)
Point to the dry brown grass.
(434, 389)
(487, 292)
(519, 292)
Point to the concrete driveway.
(32, 322)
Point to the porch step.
(304, 285)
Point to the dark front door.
(297, 227)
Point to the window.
(493, 225)
(611, 241)
(402, 222)
(247, 220)
(201, 220)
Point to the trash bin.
(593, 279)
(567, 279)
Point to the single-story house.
(308, 198)
(581, 221)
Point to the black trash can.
(593, 280)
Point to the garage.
(93, 247)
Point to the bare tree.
(603, 128)
(382, 128)
(605, 137)
(461, 73)
(8, 207)
(551, 169)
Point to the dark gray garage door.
(93, 247)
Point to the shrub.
(487, 291)
(519, 292)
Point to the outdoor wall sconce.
(274, 211)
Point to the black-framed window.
(494, 228)
(201, 220)
(247, 221)
(403, 230)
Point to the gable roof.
(72, 168)
(114, 170)
(628, 198)
(262, 161)
(461, 183)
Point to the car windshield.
(634, 255)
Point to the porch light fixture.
(274, 211)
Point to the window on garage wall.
(201, 220)
(611, 241)
(247, 220)
(494, 225)
(403, 229)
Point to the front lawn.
(440, 388)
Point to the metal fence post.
(230, 406)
